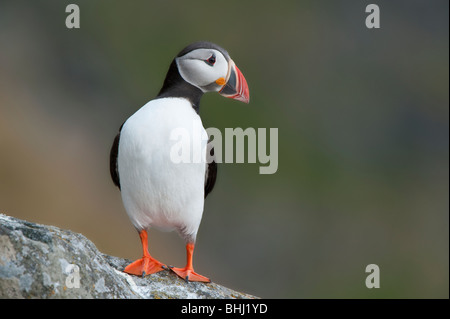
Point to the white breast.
(156, 191)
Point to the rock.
(38, 261)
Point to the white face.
(202, 68)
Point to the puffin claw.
(188, 275)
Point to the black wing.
(113, 169)
(210, 175)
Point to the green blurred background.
(362, 117)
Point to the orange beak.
(235, 86)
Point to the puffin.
(158, 189)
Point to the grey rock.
(38, 261)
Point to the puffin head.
(203, 67)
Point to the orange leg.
(187, 272)
(147, 264)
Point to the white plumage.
(156, 191)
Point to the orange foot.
(147, 264)
(188, 274)
(144, 266)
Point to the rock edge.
(39, 261)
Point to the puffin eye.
(211, 60)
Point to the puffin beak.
(235, 86)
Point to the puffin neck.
(175, 86)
